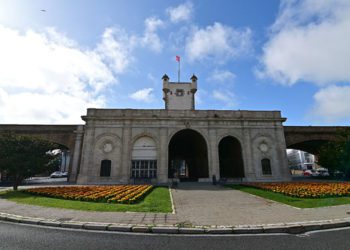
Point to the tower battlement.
(179, 95)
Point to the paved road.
(19, 236)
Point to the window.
(144, 169)
(105, 168)
(266, 166)
(179, 92)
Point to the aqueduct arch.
(310, 138)
(61, 134)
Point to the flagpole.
(178, 75)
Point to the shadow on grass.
(293, 201)
(157, 201)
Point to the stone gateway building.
(179, 143)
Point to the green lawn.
(293, 201)
(158, 200)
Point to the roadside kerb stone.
(311, 226)
(326, 225)
(218, 230)
(33, 221)
(275, 229)
(96, 226)
(186, 230)
(341, 222)
(140, 229)
(295, 228)
(165, 230)
(119, 228)
(50, 223)
(73, 224)
(2, 216)
(13, 218)
(292, 228)
(247, 229)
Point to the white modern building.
(298, 159)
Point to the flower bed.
(113, 194)
(306, 189)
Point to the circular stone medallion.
(263, 147)
(108, 147)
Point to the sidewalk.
(197, 206)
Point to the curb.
(289, 228)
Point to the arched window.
(105, 168)
(266, 166)
(144, 158)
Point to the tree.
(335, 155)
(24, 156)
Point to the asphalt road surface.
(20, 236)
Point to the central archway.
(188, 156)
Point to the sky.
(58, 58)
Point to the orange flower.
(117, 193)
(306, 189)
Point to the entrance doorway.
(188, 156)
(230, 158)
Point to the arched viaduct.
(64, 135)
(311, 138)
(306, 138)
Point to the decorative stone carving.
(263, 147)
(107, 147)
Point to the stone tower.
(179, 95)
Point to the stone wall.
(120, 128)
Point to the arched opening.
(302, 163)
(188, 156)
(310, 146)
(230, 158)
(302, 156)
(144, 159)
(32, 158)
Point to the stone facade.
(179, 143)
(118, 135)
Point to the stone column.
(126, 152)
(248, 154)
(214, 167)
(162, 171)
(87, 155)
(282, 155)
(77, 153)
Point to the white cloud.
(47, 78)
(309, 41)
(150, 38)
(218, 43)
(221, 76)
(115, 49)
(332, 104)
(182, 12)
(227, 97)
(143, 95)
(39, 108)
